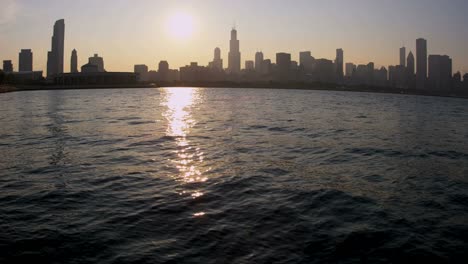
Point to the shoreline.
(233, 85)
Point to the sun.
(180, 25)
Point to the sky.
(129, 32)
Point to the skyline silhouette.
(319, 27)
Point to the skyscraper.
(306, 61)
(249, 65)
(55, 56)
(350, 69)
(410, 63)
(440, 72)
(74, 62)
(283, 65)
(403, 56)
(217, 61)
(7, 66)
(339, 64)
(25, 60)
(421, 63)
(234, 53)
(98, 61)
(258, 61)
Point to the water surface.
(192, 175)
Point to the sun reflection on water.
(179, 103)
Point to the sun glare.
(180, 25)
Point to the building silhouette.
(421, 63)
(410, 63)
(350, 69)
(141, 70)
(25, 61)
(267, 67)
(90, 68)
(403, 56)
(98, 61)
(258, 61)
(249, 65)
(7, 66)
(74, 62)
(234, 63)
(324, 71)
(283, 65)
(440, 72)
(339, 64)
(55, 56)
(217, 62)
(306, 61)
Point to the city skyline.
(261, 36)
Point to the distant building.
(339, 64)
(258, 61)
(96, 78)
(465, 82)
(55, 56)
(89, 68)
(294, 65)
(141, 71)
(380, 76)
(421, 63)
(234, 54)
(163, 71)
(98, 61)
(403, 56)
(26, 77)
(194, 73)
(140, 68)
(306, 61)
(7, 66)
(249, 65)
(410, 63)
(267, 67)
(324, 70)
(350, 69)
(283, 65)
(364, 74)
(25, 61)
(457, 81)
(440, 72)
(397, 76)
(217, 62)
(74, 62)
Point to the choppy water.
(232, 176)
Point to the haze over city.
(126, 33)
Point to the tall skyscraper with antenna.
(234, 63)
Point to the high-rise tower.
(25, 60)
(55, 56)
(74, 62)
(421, 63)
(403, 56)
(410, 63)
(217, 61)
(258, 61)
(234, 54)
(339, 64)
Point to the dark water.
(232, 176)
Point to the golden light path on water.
(179, 103)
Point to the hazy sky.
(128, 32)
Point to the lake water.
(193, 175)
